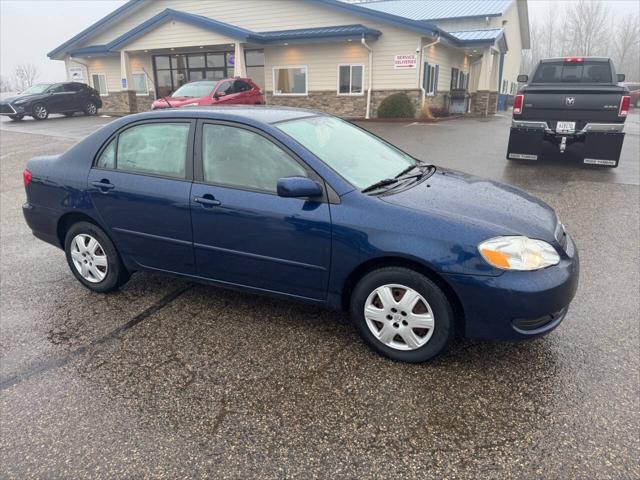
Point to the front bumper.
(518, 305)
(9, 109)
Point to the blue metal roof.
(439, 10)
(489, 35)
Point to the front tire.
(16, 118)
(402, 315)
(40, 111)
(90, 108)
(93, 258)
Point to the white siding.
(513, 58)
(177, 34)
(447, 58)
(270, 15)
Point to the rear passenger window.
(244, 159)
(155, 148)
(240, 86)
(107, 158)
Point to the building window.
(350, 79)
(140, 84)
(99, 81)
(254, 63)
(173, 71)
(454, 78)
(430, 81)
(290, 80)
(505, 84)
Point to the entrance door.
(244, 233)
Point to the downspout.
(421, 72)
(364, 44)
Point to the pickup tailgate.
(585, 104)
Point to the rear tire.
(93, 258)
(403, 315)
(90, 108)
(40, 111)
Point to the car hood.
(501, 208)
(32, 96)
(175, 101)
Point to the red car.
(634, 92)
(228, 91)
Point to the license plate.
(565, 127)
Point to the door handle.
(207, 201)
(103, 185)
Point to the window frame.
(146, 83)
(189, 158)
(281, 67)
(198, 172)
(106, 87)
(350, 94)
(428, 76)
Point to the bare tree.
(587, 27)
(625, 50)
(26, 74)
(5, 84)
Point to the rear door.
(74, 97)
(225, 93)
(244, 233)
(140, 185)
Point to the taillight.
(26, 177)
(518, 102)
(574, 59)
(625, 103)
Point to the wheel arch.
(70, 218)
(396, 261)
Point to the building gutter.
(421, 67)
(364, 44)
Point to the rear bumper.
(43, 223)
(518, 305)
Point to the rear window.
(573, 72)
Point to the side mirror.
(219, 94)
(523, 78)
(621, 77)
(296, 187)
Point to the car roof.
(254, 113)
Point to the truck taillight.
(26, 177)
(518, 103)
(625, 103)
(574, 59)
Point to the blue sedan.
(302, 205)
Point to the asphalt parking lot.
(169, 379)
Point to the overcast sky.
(30, 29)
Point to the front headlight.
(518, 253)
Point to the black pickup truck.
(570, 102)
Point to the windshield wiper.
(382, 183)
(421, 166)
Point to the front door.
(140, 186)
(244, 233)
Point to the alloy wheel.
(89, 258)
(91, 108)
(399, 317)
(40, 111)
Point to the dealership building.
(457, 56)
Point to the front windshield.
(356, 155)
(195, 89)
(37, 88)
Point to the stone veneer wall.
(120, 103)
(484, 102)
(143, 102)
(350, 106)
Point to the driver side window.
(241, 158)
(56, 89)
